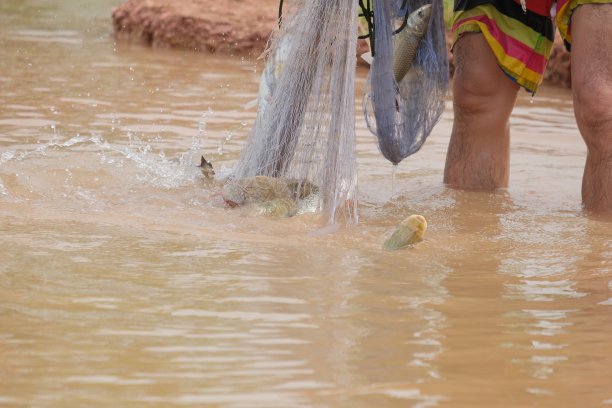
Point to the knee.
(472, 93)
(593, 110)
(483, 88)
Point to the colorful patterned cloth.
(520, 33)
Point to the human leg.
(483, 97)
(592, 90)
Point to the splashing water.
(202, 125)
(155, 168)
(393, 178)
(158, 169)
(3, 190)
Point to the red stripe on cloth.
(561, 3)
(541, 7)
(512, 47)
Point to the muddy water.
(124, 282)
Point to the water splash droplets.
(393, 176)
(202, 124)
(75, 140)
(7, 156)
(114, 122)
(3, 190)
(67, 181)
(202, 133)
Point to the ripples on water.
(124, 281)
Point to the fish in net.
(305, 126)
(408, 79)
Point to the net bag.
(305, 126)
(401, 110)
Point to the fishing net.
(304, 132)
(402, 113)
(305, 127)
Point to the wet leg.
(592, 89)
(483, 97)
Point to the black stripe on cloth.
(536, 22)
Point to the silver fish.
(271, 195)
(271, 74)
(278, 207)
(257, 189)
(407, 41)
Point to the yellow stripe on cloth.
(564, 15)
(510, 27)
(513, 67)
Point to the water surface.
(125, 282)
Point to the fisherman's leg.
(483, 97)
(592, 88)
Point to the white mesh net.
(305, 129)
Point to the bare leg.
(592, 88)
(483, 97)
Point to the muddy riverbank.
(235, 26)
(200, 25)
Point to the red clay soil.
(235, 26)
(240, 26)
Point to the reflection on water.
(123, 280)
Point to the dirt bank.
(237, 26)
(234, 26)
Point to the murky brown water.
(123, 283)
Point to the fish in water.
(408, 232)
(207, 168)
(256, 189)
(268, 195)
(407, 41)
(277, 207)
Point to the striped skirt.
(520, 33)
